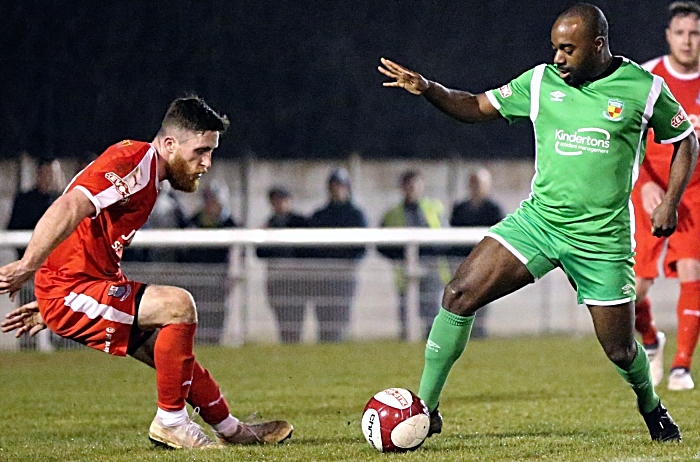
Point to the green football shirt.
(589, 144)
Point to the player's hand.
(25, 319)
(664, 220)
(652, 195)
(13, 276)
(411, 81)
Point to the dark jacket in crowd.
(337, 215)
(27, 210)
(207, 254)
(485, 213)
(289, 220)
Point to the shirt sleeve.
(512, 100)
(669, 120)
(121, 171)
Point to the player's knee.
(181, 307)
(459, 298)
(620, 355)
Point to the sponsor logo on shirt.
(589, 139)
(505, 91)
(119, 184)
(614, 111)
(679, 118)
(557, 96)
(120, 292)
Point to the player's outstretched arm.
(461, 105)
(664, 218)
(25, 319)
(54, 227)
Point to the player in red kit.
(75, 254)
(681, 72)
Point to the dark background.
(297, 78)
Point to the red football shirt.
(123, 185)
(686, 88)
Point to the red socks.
(206, 395)
(688, 311)
(644, 322)
(174, 359)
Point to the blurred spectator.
(333, 283)
(416, 211)
(27, 208)
(214, 214)
(211, 298)
(286, 291)
(477, 210)
(30, 205)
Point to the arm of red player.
(57, 223)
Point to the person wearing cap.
(332, 284)
(285, 291)
(417, 211)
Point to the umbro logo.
(627, 289)
(433, 346)
(557, 96)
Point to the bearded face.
(180, 175)
(189, 159)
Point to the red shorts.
(100, 314)
(684, 243)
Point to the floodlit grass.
(507, 399)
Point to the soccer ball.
(395, 420)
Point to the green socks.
(446, 342)
(638, 375)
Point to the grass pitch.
(507, 399)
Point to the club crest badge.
(614, 111)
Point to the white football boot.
(187, 435)
(680, 379)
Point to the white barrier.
(548, 306)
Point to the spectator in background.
(333, 282)
(30, 205)
(213, 288)
(417, 211)
(478, 210)
(215, 214)
(27, 208)
(285, 290)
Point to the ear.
(170, 144)
(599, 43)
(668, 35)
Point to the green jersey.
(589, 144)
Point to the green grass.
(506, 399)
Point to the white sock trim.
(172, 418)
(227, 427)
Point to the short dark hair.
(592, 16)
(194, 114)
(278, 191)
(683, 9)
(408, 176)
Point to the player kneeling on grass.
(590, 112)
(75, 252)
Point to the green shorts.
(600, 278)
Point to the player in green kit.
(590, 112)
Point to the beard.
(179, 176)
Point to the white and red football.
(395, 420)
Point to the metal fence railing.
(311, 300)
